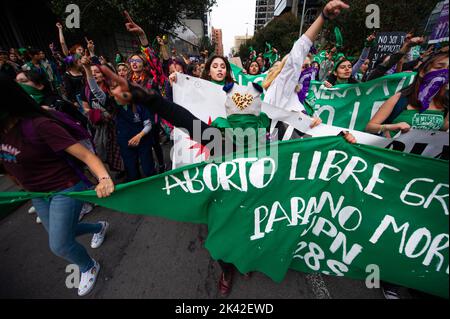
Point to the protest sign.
(237, 62)
(433, 144)
(387, 43)
(440, 32)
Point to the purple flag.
(440, 32)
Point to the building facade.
(238, 41)
(264, 13)
(296, 7)
(217, 40)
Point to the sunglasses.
(135, 61)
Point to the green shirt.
(430, 120)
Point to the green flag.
(269, 54)
(321, 56)
(352, 105)
(316, 205)
(339, 37)
(245, 79)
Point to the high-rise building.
(216, 35)
(238, 41)
(264, 13)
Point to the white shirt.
(281, 92)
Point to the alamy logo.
(73, 280)
(373, 20)
(73, 19)
(373, 279)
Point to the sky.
(231, 16)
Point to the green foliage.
(281, 33)
(394, 16)
(207, 44)
(154, 16)
(405, 16)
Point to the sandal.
(225, 285)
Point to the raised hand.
(59, 26)
(371, 37)
(132, 26)
(85, 61)
(52, 47)
(119, 88)
(160, 41)
(417, 41)
(90, 45)
(334, 8)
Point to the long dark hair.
(412, 91)
(249, 64)
(207, 76)
(38, 79)
(17, 104)
(351, 79)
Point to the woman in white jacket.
(281, 87)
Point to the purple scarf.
(431, 85)
(392, 70)
(306, 77)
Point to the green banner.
(317, 205)
(353, 105)
(244, 79)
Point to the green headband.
(339, 63)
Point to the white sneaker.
(38, 220)
(86, 209)
(32, 210)
(99, 238)
(88, 280)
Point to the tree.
(207, 44)
(405, 16)
(155, 16)
(281, 33)
(394, 16)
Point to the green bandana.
(36, 94)
(242, 121)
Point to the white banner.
(206, 101)
(425, 143)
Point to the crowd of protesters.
(72, 110)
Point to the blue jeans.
(133, 156)
(60, 215)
